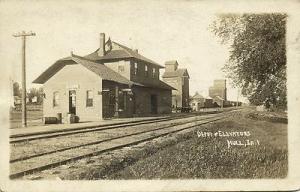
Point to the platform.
(39, 127)
(55, 127)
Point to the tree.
(16, 89)
(34, 92)
(257, 61)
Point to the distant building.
(219, 101)
(179, 79)
(113, 81)
(218, 92)
(198, 101)
(218, 89)
(208, 102)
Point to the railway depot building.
(113, 81)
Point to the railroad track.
(35, 149)
(58, 133)
(16, 138)
(101, 141)
(34, 163)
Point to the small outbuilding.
(219, 101)
(198, 102)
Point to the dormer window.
(121, 67)
(135, 68)
(146, 70)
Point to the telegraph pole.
(23, 34)
(237, 99)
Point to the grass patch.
(210, 157)
(276, 117)
(187, 156)
(34, 117)
(112, 163)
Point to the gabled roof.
(218, 97)
(122, 53)
(208, 97)
(171, 62)
(103, 71)
(114, 54)
(178, 73)
(158, 84)
(198, 96)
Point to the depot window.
(55, 99)
(89, 98)
(146, 70)
(135, 68)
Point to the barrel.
(76, 119)
(50, 120)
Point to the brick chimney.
(101, 51)
(171, 66)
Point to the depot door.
(153, 104)
(72, 102)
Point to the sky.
(160, 30)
